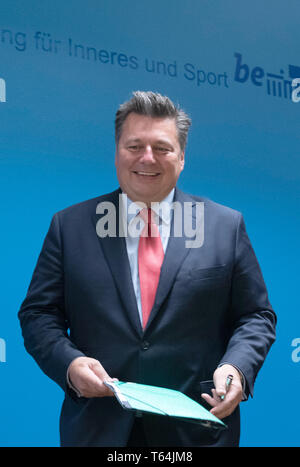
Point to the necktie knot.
(150, 229)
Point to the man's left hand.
(232, 396)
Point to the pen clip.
(228, 380)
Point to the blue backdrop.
(64, 69)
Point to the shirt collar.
(162, 209)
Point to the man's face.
(148, 158)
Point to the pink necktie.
(150, 258)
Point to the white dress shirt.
(162, 216)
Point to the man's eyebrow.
(163, 141)
(132, 140)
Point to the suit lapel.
(115, 252)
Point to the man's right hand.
(87, 376)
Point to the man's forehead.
(135, 123)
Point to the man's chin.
(146, 198)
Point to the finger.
(221, 410)
(224, 408)
(216, 396)
(220, 387)
(99, 371)
(89, 384)
(210, 400)
(94, 387)
(89, 379)
(102, 375)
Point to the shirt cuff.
(69, 383)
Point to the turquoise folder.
(162, 401)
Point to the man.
(96, 309)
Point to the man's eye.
(162, 149)
(134, 147)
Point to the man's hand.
(88, 375)
(233, 396)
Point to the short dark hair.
(156, 106)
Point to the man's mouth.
(146, 174)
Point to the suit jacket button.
(145, 345)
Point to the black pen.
(227, 384)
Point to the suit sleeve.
(42, 314)
(253, 320)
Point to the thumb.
(220, 387)
(220, 383)
(100, 372)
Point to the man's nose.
(147, 154)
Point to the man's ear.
(182, 160)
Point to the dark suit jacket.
(211, 307)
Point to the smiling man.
(146, 308)
(149, 158)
